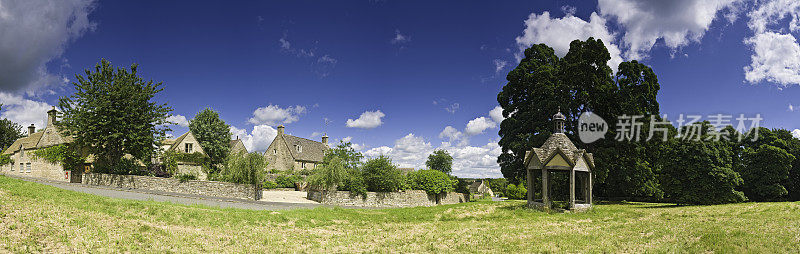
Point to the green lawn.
(40, 218)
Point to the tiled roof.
(311, 150)
(559, 141)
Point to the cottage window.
(28, 166)
(303, 165)
(22, 167)
(188, 148)
(275, 151)
(299, 148)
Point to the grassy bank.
(35, 217)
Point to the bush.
(244, 168)
(431, 181)
(498, 186)
(516, 191)
(354, 182)
(328, 176)
(699, 173)
(380, 175)
(269, 185)
(185, 177)
(287, 181)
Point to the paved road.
(175, 198)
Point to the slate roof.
(312, 151)
(34, 141)
(559, 141)
(178, 140)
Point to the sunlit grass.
(40, 218)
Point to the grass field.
(40, 218)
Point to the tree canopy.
(9, 132)
(213, 134)
(440, 160)
(112, 114)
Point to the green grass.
(40, 218)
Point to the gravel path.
(174, 197)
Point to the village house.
(188, 144)
(287, 152)
(25, 164)
(480, 188)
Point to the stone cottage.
(479, 188)
(187, 143)
(21, 151)
(287, 152)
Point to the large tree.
(9, 132)
(440, 160)
(581, 81)
(112, 114)
(213, 134)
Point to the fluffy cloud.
(34, 34)
(367, 120)
(258, 139)
(676, 22)
(478, 125)
(499, 64)
(273, 115)
(468, 161)
(23, 111)
(450, 133)
(178, 120)
(796, 133)
(776, 54)
(559, 32)
(497, 115)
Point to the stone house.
(188, 144)
(287, 152)
(21, 151)
(479, 188)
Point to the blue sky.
(394, 77)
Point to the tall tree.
(112, 113)
(213, 134)
(581, 81)
(765, 168)
(440, 160)
(9, 132)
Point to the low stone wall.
(192, 187)
(409, 198)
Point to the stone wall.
(192, 187)
(409, 198)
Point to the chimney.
(280, 129)
(325, 139)
(51, 117)
(31, 130)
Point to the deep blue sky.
(229, 56)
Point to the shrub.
(431, 181)
(699, 173)
(287, 181)
(354, 182)
(185, 177)
(244, 168)
(328, 176)
(381, 175)
(498, 186)
(516, 191)
(269, 185)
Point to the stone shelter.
(25, 164)
(188, 144)
(287, 152)
(558, 153)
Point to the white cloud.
(497, 115)
(178, 120)
(499, 64)
(33, 34)
(675, 22)
(273, 115)
(367, 120)
(452, 108)
(450, 133)
(468, 161)
(559, 32)
(399, 38)
(776, 53)
(796, 133)
(792, 108)
(258, 139)
(478, 125)
(24, 111)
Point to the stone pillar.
(545, 183)
(571, 188)
(589, 181)
(530, 186)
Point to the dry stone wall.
(409, 198)
(192, 187)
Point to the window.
(275, 151)
(303, 165)
(22, 167)
(188, 148)
(299, 148)
(28, 166)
